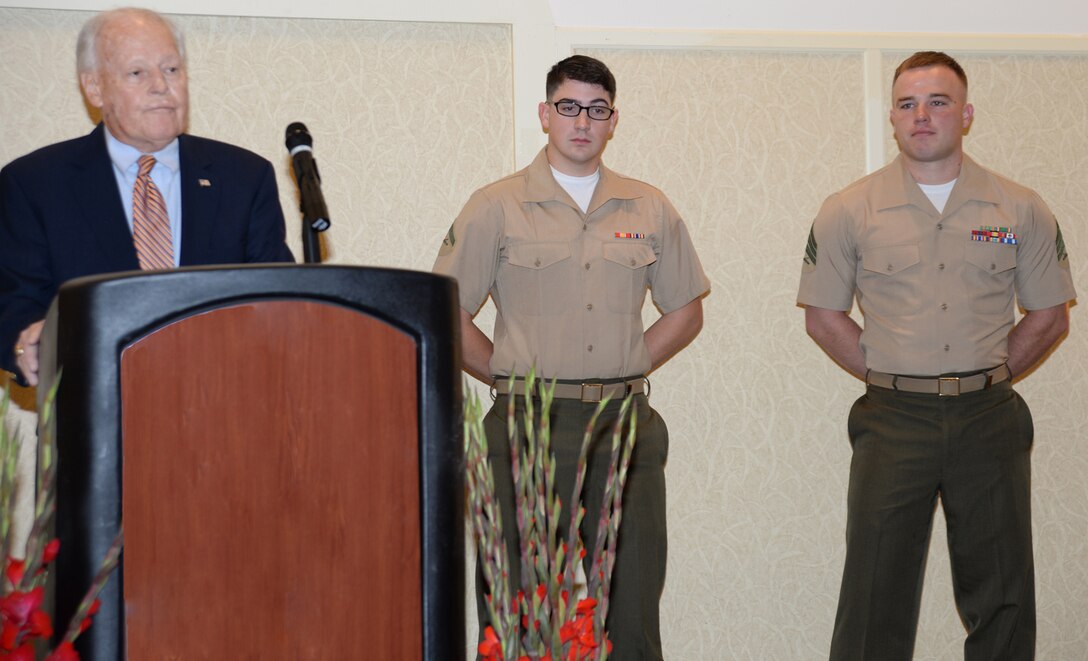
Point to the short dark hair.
(584, 69)
(931, 58)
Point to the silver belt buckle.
(587, 392)
(954, 386)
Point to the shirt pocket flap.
(629, 255)
(537, 255)
(991, 257)
(890, 260)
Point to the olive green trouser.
(639, 574)
(974, 451)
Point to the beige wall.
(746, 136)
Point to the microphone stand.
(315, 215)
(311, 243)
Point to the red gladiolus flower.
(86, 623)
(579, 632)
(14, 570)
(65, 652)
(586, 638)
(49, 553)
(567, 632)
(17, 606)
(9, 635)
(587, 606)
(22, 616)
(490, 648)
(40, 625)
(24, 653)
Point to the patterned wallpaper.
(409, 118)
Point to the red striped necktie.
(150, 224)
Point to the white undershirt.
(580, 189)
(938, 193)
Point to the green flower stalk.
(9, 459)
(543, 619)
(24, 580)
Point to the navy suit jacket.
(61, 217)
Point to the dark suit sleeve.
(266, 237)
(26, 279)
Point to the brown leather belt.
(945, 386)
(587, 392)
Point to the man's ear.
(89, 82)
(968, 116)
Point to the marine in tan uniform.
(938, 251)
(567, 249)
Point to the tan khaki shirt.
(937, 291)
(569, 287)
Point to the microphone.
(300, 144)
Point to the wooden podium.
(283, 444)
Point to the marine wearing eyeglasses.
(567, 249)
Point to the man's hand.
(26, 351)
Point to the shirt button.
(587, 266)
(890, 268)
(537, 262)
(633, 263)
(944, 306)
(940, 267)
(585, 227)
(589, 348)
(946, 347)
(993, 267)
(589, 306)
(940, 226)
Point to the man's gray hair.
(87, 44)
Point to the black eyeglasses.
(572, 109)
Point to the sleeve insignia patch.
(810, 248)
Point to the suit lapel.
(99, 202)
(199, 201)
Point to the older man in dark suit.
(135, 193)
